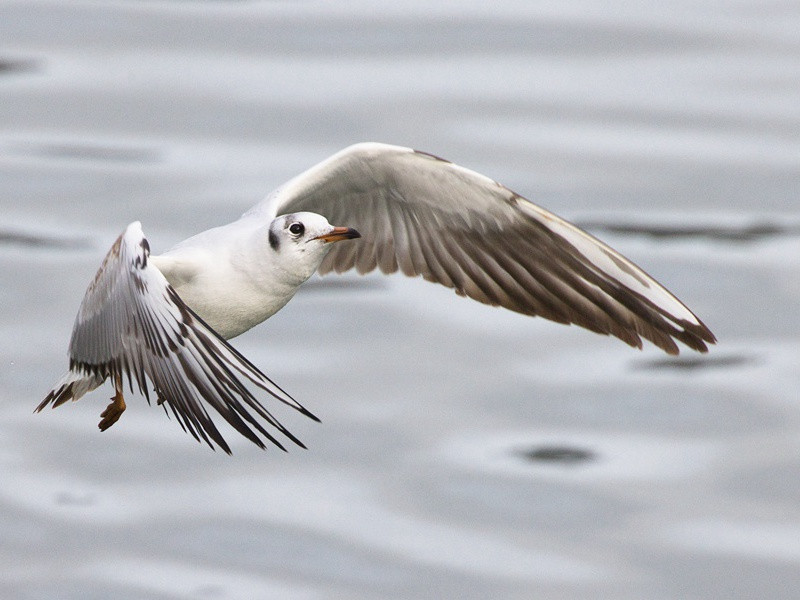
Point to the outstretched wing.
(426, 216)
(132, 322)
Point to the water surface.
(464, 452)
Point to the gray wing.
(132, 322)
(426, 216)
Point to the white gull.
(166, 318)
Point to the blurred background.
(464, 452)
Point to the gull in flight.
(166, 318)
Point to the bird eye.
(296, 228)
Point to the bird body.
(227, 276)
(164, 319)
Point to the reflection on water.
(744, 233)
(464, 452)
(557, 454)
(35, 240)
(86, 151)
(696, 363)
(11, 65)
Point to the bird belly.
(231, 310)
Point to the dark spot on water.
(695, 363)
(732, 233)
(10, 65)
(565, 455)
(88, 151)
(32, 240)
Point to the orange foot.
(113, 412)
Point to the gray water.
(464, 452)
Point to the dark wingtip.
(697, 336)
(56, 397)
(303, 410)
(223, 445)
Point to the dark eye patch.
(274, 242)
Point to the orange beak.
(338, 234)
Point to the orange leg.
(114, 410)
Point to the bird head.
(301, 240)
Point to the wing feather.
(132, 323)
(428, 217)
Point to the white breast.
(225, 281)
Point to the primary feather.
(132, 322)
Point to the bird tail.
(71, 387)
